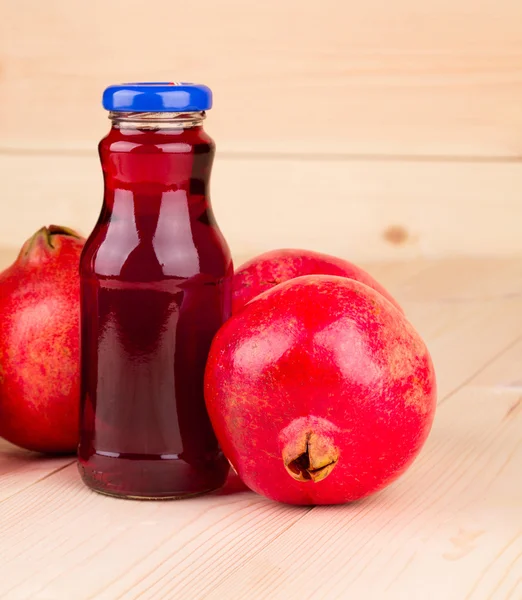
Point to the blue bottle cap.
(157, 97)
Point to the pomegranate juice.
(155, 288)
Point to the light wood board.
(435, 78)
(450, 528)
(363, 210)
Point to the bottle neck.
(153, 153)
(157, 120)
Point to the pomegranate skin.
(39, 343)
(320, 391)
(277, 266)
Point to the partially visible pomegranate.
(320, 391)
(39, 343)
(267, 270)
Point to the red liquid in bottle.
(155, 288)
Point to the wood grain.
(20, 469)
(450, 528)
(345, 207)
(372, 78)
(125, 541)
(485, 330)
(454, 521)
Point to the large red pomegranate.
(271, 268)
(39, 343)
(320, 391)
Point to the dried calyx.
(314, 461)
(41, 242)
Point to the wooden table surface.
(450, 528)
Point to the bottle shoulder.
(118, 251)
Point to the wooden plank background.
(374, 130)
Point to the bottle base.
(152, 478)
(153, 498)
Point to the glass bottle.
(155, 287)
